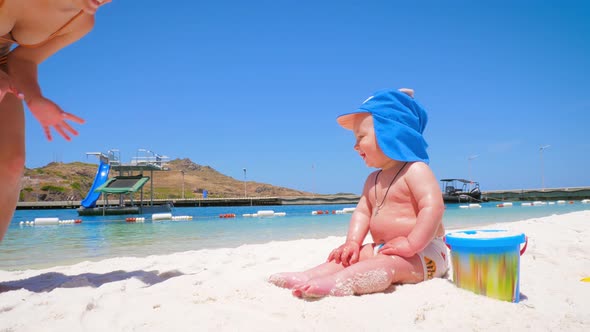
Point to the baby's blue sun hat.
(399, 122)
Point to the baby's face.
(366, 143)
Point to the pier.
(206, 202)
(547, 194)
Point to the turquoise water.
(101, 237)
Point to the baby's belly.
(384, 230)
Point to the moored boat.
(461, 191)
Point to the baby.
(401, 207)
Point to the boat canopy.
(458, 180)
(123, 184)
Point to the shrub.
(51, 188)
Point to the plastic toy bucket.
(487, 262)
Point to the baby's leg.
(372, 275)
(293, 279)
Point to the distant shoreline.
(547, 194)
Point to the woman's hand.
(50, 115)
(398, 246)
(347, 254)
(6, 86)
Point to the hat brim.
(347, 120)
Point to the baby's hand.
(347, 254)
(51, 115)
(398, 246)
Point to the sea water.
(100, 237)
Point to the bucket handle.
(526, 242)
(445, 241)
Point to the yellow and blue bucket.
(487, 262)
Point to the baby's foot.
(288, 279)
(320, 287)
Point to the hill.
(71, 181)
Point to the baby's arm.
(425, 189)
(348, 253)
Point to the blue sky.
(259, 84)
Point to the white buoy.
(348, 210)
(179, 218)
(265, 213)
(161, 216)
(586, 201)
(247, 215)
(280, 214)
(46, 221)
(474, 205)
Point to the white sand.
(226, 290)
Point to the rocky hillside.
(71, 181)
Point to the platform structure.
(130, 179)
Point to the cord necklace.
(379, 206)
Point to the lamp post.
(541, 149)
(182, 172)
(313, 179)
(245, 182)
(469, 159)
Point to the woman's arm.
(22, 68)
(23, 61)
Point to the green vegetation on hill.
(71, 181)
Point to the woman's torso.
(32, 22)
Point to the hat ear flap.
(409, 92)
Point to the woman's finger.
(70, 128)
(72, 117)
(62, 132)
(47, 132)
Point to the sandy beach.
(226, 290)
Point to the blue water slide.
(101, 177)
